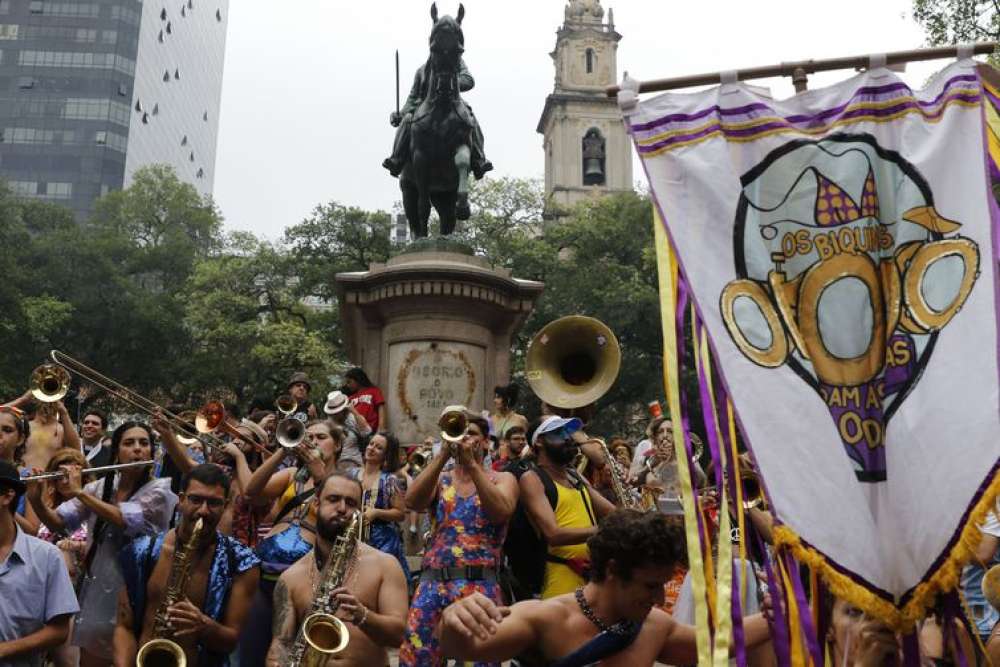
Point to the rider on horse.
(404, 118)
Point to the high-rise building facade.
(91, 90)
(587, 151)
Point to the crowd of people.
(509, 541)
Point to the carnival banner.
(840, 249)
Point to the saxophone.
(161, 650)
(322, 634)
(627, 498)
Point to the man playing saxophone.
(191, 585)
(370, 595)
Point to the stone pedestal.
(432, 328)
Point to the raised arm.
(71, 438)
(544, 519)
(498, 499)
(175, 450)
(266, 484)
(423, 490)
(474, 628)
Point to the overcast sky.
(309, 84)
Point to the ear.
(434, 12)
(461, 13)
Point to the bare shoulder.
(369, 556)
(298, 572)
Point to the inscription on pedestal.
(428, 377)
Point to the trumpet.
(290, 432)
(453, 423)
(88, 471)
(417, 460)
(286, 405)
(49, 383)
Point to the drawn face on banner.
(845, 271)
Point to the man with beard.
(561, 505)
(612, 620)
(223, 577)
(371, 599)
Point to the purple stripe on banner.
(805, 614)
(855, 114)
(739, 639)
(867, 91)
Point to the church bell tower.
(587, 151)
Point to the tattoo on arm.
(284, 628)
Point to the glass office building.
(92, 90)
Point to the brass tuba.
(322, 634)
(572, 361)
(49, 383)
(161, 651)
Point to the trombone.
(208, 418)
(88, 471)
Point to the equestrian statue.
(438, 141)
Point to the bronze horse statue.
(439, 143)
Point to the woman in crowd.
(503, 415)
(366, 398)
(384, 498)
(294, 531)
(73, 546)
(117, 508)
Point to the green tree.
(249, 328)
(957, 21)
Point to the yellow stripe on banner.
(724, 580)
(794, 623)
(993, 132)
(740, 512)
(667, 277)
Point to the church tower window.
(594, 158)
(590, 58)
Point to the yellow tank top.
(573, 510)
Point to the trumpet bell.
(325, 635)
(573, 361)
(187, 437)
(290, 432)
(453, 423)
(210, 417)
(161, 653)
(49, 383)
(286, 405)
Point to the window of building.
(25, 82)
(591, 58)
(24, 188)
(109, 37)
(122, 90)
(58, 190)
(35, 6)
(101, 137)
(77, 59)
(218, 15)
(8, 31)
(4, 6)
(29, 135)
(119, 13)
(84, 108)
(71, 9)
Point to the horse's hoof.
(394, 167)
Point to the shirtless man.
(372, 600)
(612, 619)
(223, 577)
(51, 429)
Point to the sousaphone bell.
(573, 361)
